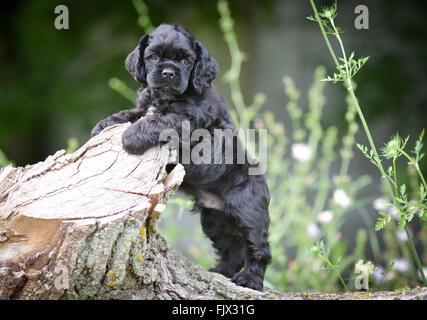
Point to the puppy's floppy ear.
(205, 68)
(135, 64)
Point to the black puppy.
(176, 72)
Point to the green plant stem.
(335, 270)
(410, 242)
(415, 164)
(415, 255)
(4, 161)
(337, 35)
(395, 183)
(380, 166)
(366, 128)
(325, 36)
(345, 164)
(349, 86)
(364, 124)
(347, 151)
(143, 17)
(232, 76)
(121, 87)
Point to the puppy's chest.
(155, 109)
(152, 109)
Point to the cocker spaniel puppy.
(176, 73)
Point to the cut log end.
(78, 225)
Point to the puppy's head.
(171, 61)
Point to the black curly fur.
(238, 228)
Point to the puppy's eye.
(154, 57)
(186, 62)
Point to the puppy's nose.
(168, 73)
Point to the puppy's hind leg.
(227, 242)
(253, 221)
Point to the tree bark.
(83, 226)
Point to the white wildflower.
(316, 266)
(301, 152)
(313, 231)
(380, 204)
(390, 276)
(378, 274)
(325, 217)
(401, 265)
(394, 213)
(364, 268)
(341, 198)
(401, 236)
(425, 273)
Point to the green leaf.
(412, 209)
(403, 189)
(311, 18)
(381, 222)
(418, 147)
(402, 222)
(423, 192)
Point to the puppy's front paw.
(132, 143)
(248, 280)
(101, 125)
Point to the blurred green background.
(54, 83)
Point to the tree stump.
(83, 226)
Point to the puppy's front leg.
(120, 117)
(145, 133)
